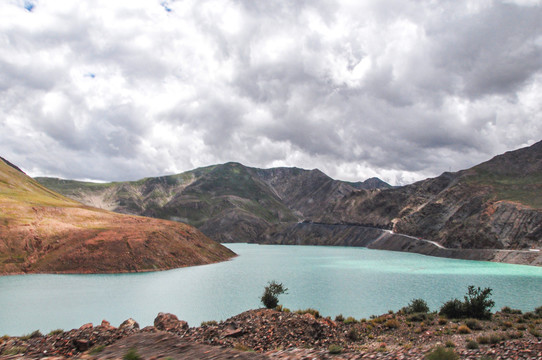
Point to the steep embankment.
(492, 211)
(42, 231)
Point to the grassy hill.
(43, 231)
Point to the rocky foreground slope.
(271, 334)
(42, 231)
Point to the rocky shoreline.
(273, 334)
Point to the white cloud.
(396, 89)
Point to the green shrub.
(335, 349)
(271, 292)
(495, 338)
(441, 353)
(339, 318)
(392, 324)
(132, 354)
(450, 344)
(452, 309)
(471, 344)
(416, 306)
(538, 311)
(242, 347)
(477, 303)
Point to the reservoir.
(355, 282)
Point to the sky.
(402, 90)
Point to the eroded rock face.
(129, 324)
(169, 322)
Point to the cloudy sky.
(402, 90)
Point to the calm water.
(352, 281)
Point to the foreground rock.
(270, 334)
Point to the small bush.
(508, 310)
(209, 323)
(353, 334)
(417, 317)
(335, 349)
(270, 294)
(495, 338)
(521, 327)
(441, 353)
(538, 311)
(473, 324)
(515, 334)
(311, 311)
(350, 320)
(450, 344)
(56, 332)
(534, 333)
(463, 329)
(339, 318)
(507, 324)
(132, 354)
(471, 344)
(452, 309)
(442, 321)
(416, 306)
(392, 324)
(482, 339)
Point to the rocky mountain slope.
(496, 205)
(228, 202)
(43, 231)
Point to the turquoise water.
(353, 281)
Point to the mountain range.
(492, 211)
(44, 232)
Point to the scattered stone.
(169, 322)
(129, 324)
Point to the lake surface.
(335, 280)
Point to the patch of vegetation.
(473, 324)
(14, 350)
(242, 347)
(416, 306)
(472, 344)
(335, 349)
(339, 318)
(209, 323)
(463, 329)
(96, 349)
(449, 344)
(32, 335)
(350, 320)
(441, 353)
(476, 304)
(508, 310)
(271, 292)
(56, 332)
(311, 311)
(392, 324)
(132, 354)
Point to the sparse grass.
(463, 329)
(32, 335)
(311, 311)
(14, 350)
(441, 353)
(335, 349)
(242, 347)
(96, 349)
(472, 344)
(56, 332)
(132, 354)
(350, 320)
(209, 323)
